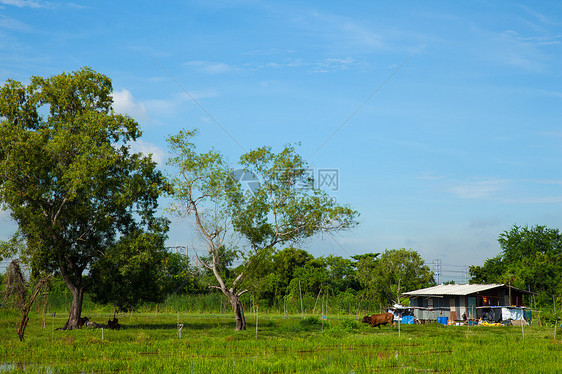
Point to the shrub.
(349, 325)
(309, 323)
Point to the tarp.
(512, 313)
(492, 314)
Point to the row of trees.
(531, 259)
(291, 272)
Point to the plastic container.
(408, 320)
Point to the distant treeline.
(286, 281)
(292, 280)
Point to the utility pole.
(436, 268)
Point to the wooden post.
(300, 294)
(316, 303)
(257, 310)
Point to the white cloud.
(158, 154)
(124, 103)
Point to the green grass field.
(149, 342)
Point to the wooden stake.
(300, 294)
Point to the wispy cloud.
(212, 67)
(484, 223)
(429, 176)
(26, 3)
(557, 134)
(175, 103)
(478, 190)
(326, 65)
(344, 31)
(547, 181)
(528, 50)
(548, 200)
(13, 24)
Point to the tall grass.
(149, 342)
(216, 302)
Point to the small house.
(467, 302)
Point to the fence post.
(300, 294)
(257, 310)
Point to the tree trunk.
(27, 308)
(75, 308)
(238, 311)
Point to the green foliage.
(291, 271)
(67, 173)
(180, 276)
(311, 278)
(131, 273)
(286, 207)
(349, 325)
(310, 323)
(204, 185)
(13, 246)
(396, 271)
(531, 258)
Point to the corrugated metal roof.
(452, 289)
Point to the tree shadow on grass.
(186, 326)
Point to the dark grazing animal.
(113, 324)
(379, 319)
(82, 321)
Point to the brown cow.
(379, 319)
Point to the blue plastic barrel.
(408, 320)
(442, 320)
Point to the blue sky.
(442, 118)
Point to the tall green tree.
(279, 271)
(203, 185)
(132, 273)
(276, 212)
(396, 271)
(68, 176)
(531, 258)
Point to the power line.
(444, 271)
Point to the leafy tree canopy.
(396, 271)
(68, 177)
(531, 258)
